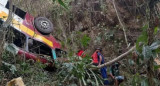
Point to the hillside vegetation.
(113, 25)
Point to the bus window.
(17, 11)
(39, 48)
(19, 39)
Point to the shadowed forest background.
(113, 25)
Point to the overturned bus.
(32, 38)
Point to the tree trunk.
(150, 32)
(4, 29)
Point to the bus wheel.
(43, 25)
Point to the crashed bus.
(32, 36)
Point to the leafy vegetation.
(77, 73)
(84, 24)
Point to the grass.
(33, 74)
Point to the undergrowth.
(32, 73)
(72, 73)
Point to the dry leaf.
(16, 82)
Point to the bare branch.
(120, 23)
(4, 28)
(118, 58)
(9, 19)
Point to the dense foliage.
(83, 24)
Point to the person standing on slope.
(98, 59)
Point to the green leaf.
(135, 79)
(155, 30)
(10, 67)
(88, 74)
(66, 78)
(85, 40)
(97, 84)
(156, 67)
(144, 82)
(156, 81)
(62, 4)
(146, 52)
(155, 45)
(143, 38)
(100, 79)
(84, 82)
(154, 54)
(130, 61)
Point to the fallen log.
(118, 58)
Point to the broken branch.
(118, 58)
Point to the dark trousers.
(96, 64)
(104, 75)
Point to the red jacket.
(81, 53)
(95, 57)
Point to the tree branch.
(4, 28)
(9, 19)
(118, 58)
(120, 23)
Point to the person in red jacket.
(81, 53)
(97, 60)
